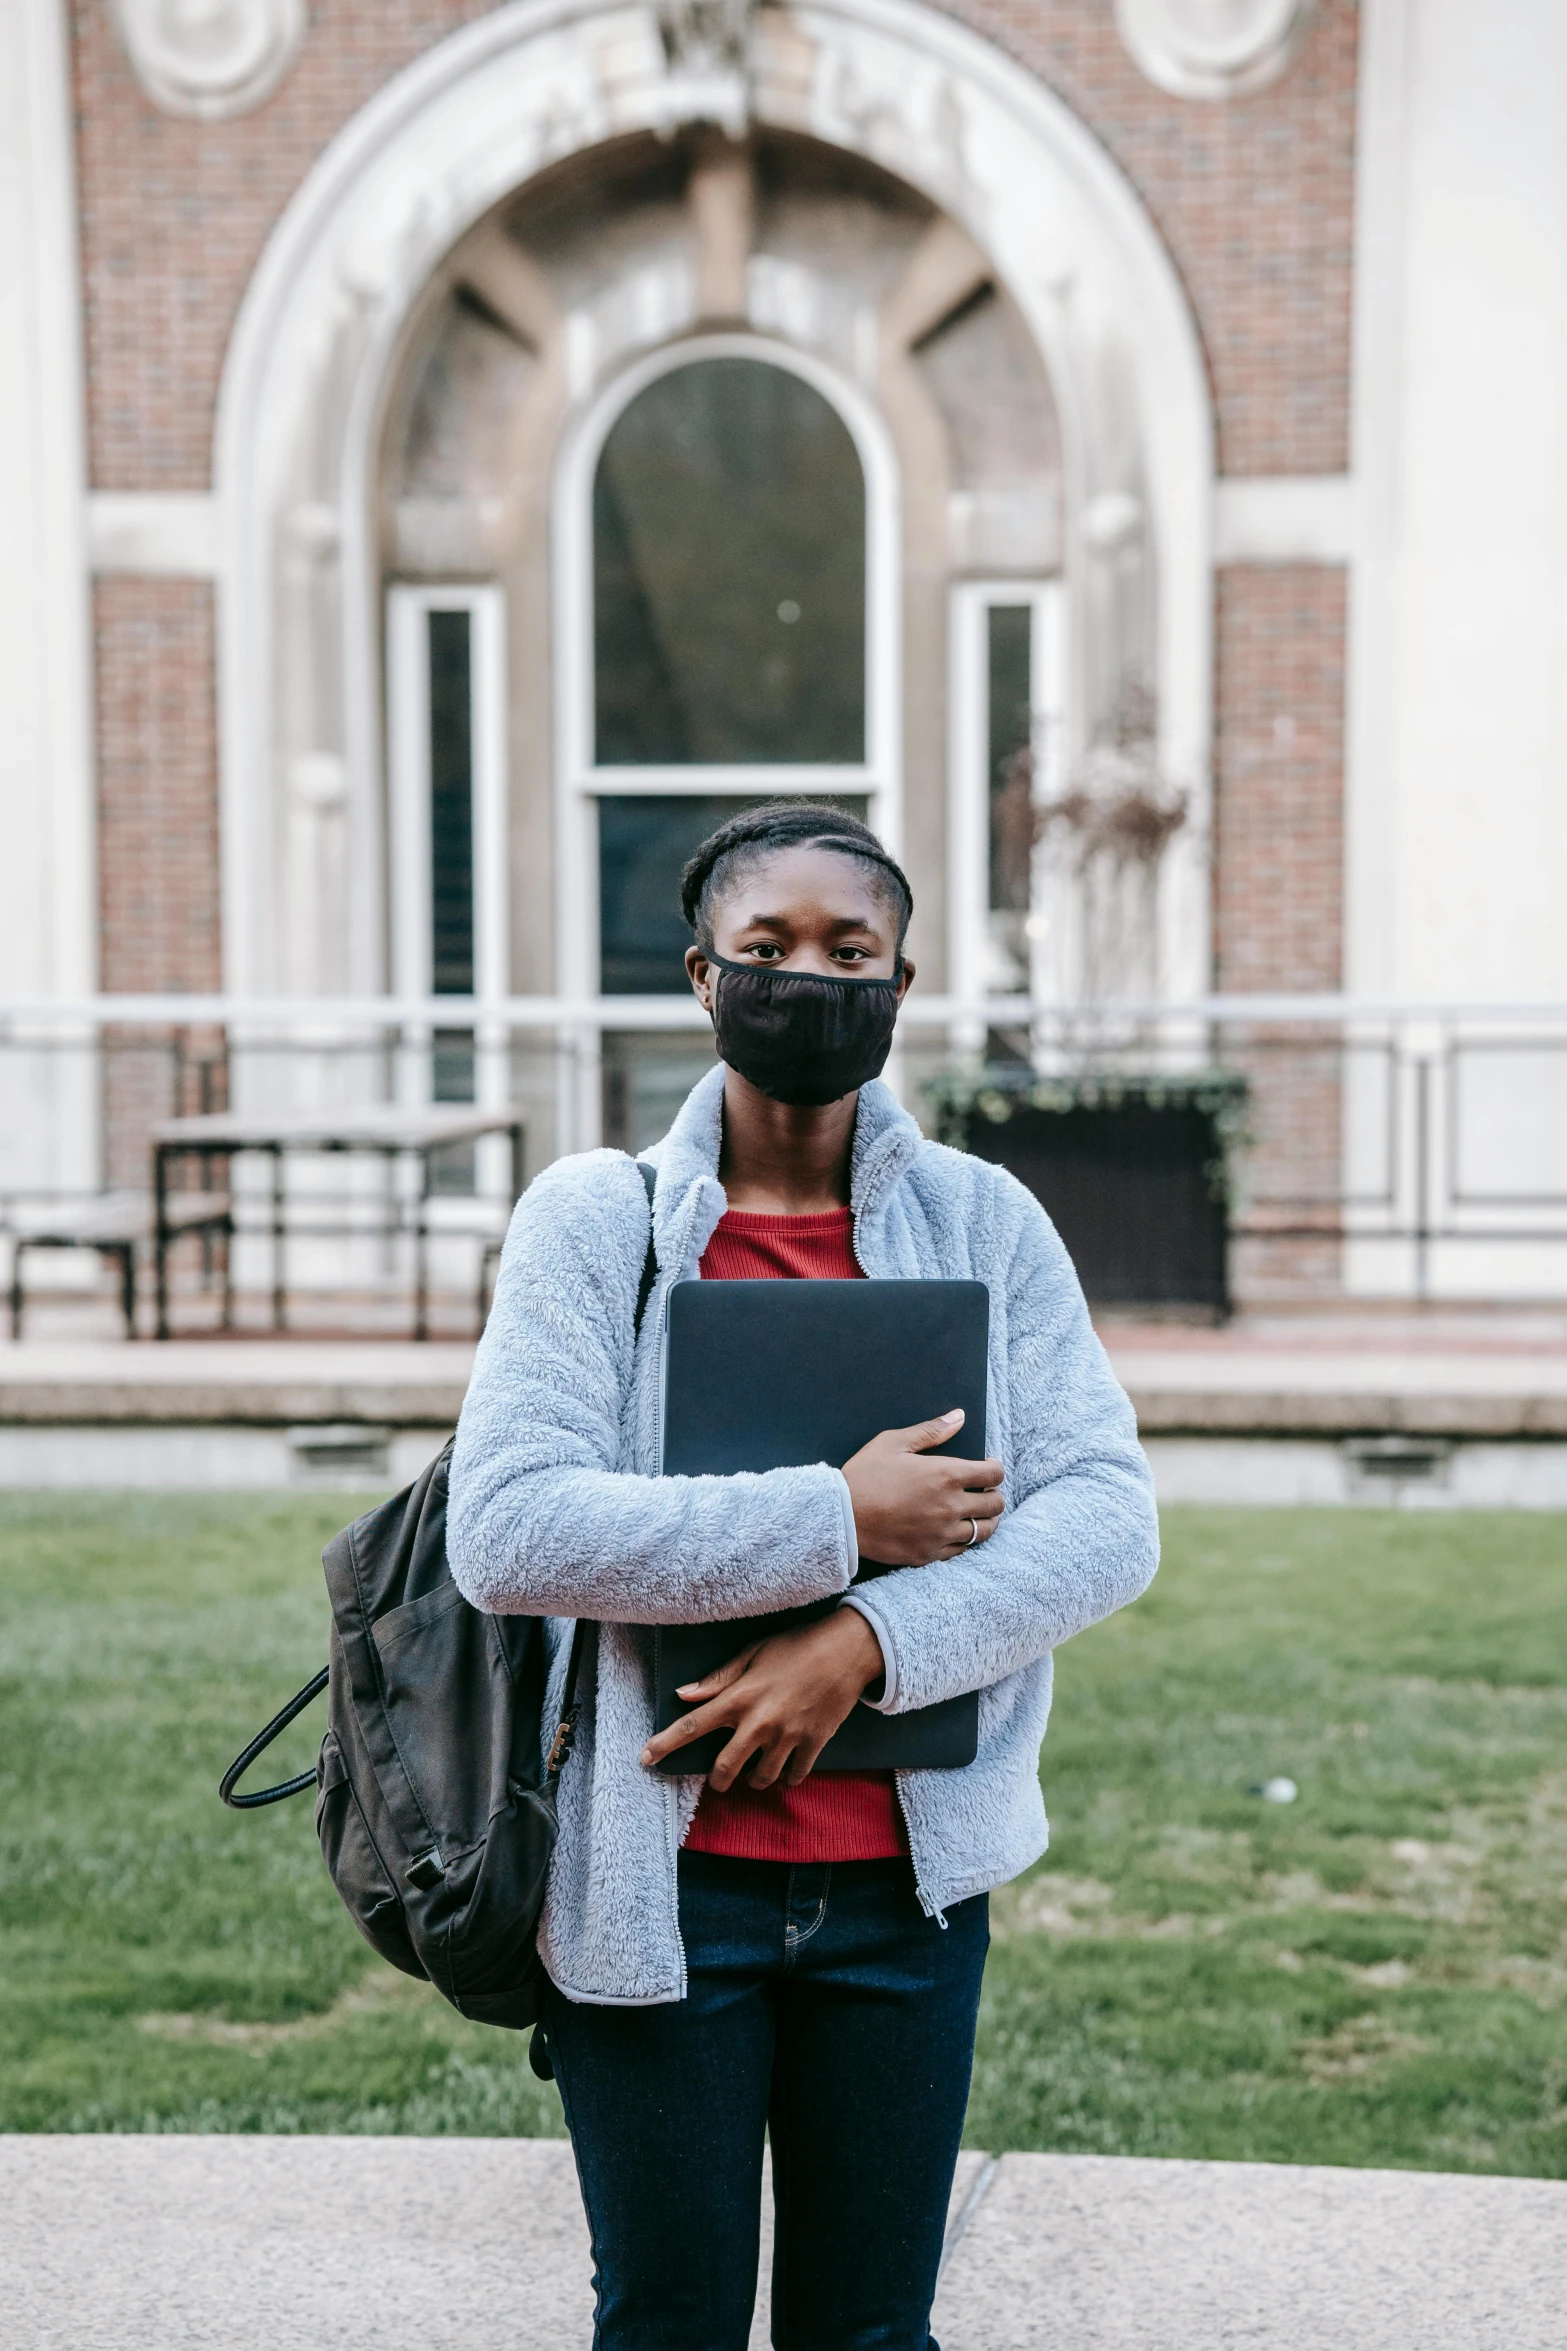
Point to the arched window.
(726, 593)
(729, 567)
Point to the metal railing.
(1379, 1148)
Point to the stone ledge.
(395, 1384)
(1345, 1412)
(108, 1404)
(1225, 1387)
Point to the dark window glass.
(643, 845)
(729, 574)
(451, 805)
(1010, 764)
(451, 874)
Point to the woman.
(765, 1951)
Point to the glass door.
(447, 771)
(1007, 761)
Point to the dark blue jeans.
(823, 2008)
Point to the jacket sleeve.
(1080, 1535)
(541, 1521)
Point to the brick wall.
(1255, 199)
(157, 784)
(1279, 765)
(174, 215)
(1279, 902)
(157, 844)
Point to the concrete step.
(357, 2244)
(1466, 1408)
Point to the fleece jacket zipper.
(925, 1902)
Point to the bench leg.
(125, 1253)
(160, 1189)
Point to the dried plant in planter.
(1108, 835)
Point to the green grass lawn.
(1376, 1973)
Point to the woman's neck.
(784, 1158)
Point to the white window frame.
(968, 778)
(579, 783)
(408, 608)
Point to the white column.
(1457, 784)
(47, 910)
(1458, 805)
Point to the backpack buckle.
(426, 1870)
(561, 1744)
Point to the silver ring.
(973, 1534)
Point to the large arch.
(371, 227)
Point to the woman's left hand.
(783, 1698)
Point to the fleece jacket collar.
(688, 1199)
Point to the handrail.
(628, 1012)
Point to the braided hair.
(786, 824)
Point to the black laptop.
(776, 1374)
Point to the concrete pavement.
(317, 2244)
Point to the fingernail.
(948, 1418)
(687, 1689)
(647, 1755)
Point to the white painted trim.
(1307, 518)
(1213, 52)
(166, 533)
(44, 623)
(48, 881)
(211, 63)
(1371, 942)
(408, 791)
(408, 779)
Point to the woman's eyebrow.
(837, 926)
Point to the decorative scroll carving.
(707, 45)
(210, 58)
(1212, 48)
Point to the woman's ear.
(905, 979)
(702, 977)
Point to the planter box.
(1132, 1173)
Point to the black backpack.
(435, 1804)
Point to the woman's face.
(804, 910)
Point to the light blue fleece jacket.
(557, 1510)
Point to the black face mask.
(799, 1037)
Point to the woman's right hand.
(909, 1509)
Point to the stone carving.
(1212, 48)
(210, 58)
(707, 46)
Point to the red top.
(834, 1815)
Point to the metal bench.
(116, 1225)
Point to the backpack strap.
(649, 1177)
(570, 1705)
